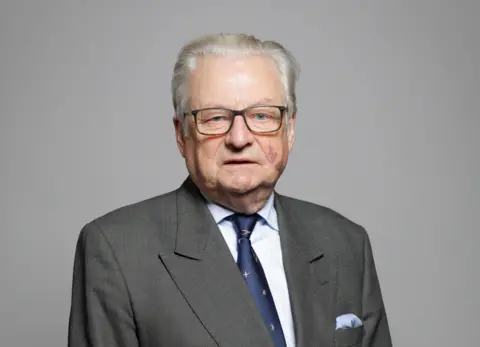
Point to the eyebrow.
(262, 101)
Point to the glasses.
(219, 121)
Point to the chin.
(239, 184)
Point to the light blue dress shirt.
(266, 243)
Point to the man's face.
(240, 161)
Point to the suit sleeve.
(376, 330)
(100, 313)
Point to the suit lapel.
(311, 275)
(208, 277)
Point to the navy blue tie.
(255, 278)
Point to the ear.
(291, 131)
(179, 135)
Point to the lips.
(238, 161)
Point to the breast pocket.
(351, 337)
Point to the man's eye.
(261, 116)
(216, 119)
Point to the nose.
(239, 135)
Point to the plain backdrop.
(387, 134)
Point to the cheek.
(209, 150)
(204, 151)
(276, 154)
(271, 154)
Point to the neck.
(246, 203)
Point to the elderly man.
(225, 260)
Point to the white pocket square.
(349, 320)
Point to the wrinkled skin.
(235, 83)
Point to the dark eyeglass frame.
(235, 113)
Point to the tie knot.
(244, 224)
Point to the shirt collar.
(267, 212)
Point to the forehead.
(235, 82)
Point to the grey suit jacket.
(159, 273)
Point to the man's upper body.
(163, 272)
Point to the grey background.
(387, 134)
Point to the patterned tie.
(254, 276)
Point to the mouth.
(239, 162)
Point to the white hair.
(232, 44)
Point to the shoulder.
(318, 217)
(315, 211)
(134, 223)
(319, 227)
(145, 211)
